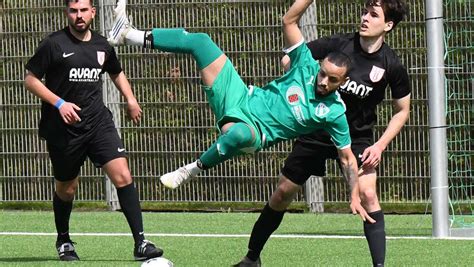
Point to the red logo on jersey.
(295, 95)
(293, 98)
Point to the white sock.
(193, 168)
(135, 37)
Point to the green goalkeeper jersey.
(289, 106)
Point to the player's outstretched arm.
(350, 172)
(291, 31)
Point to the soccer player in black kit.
(375, 66)
(76, 124)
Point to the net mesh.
(459, 62)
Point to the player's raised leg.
(237, 135)
(209, 57)
(236, 139)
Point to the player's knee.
(280, 196)
(281, 199)
(239, 136)
(122, 180)
(66, 194)
(368, 196)
(201, 39)
(242, 134)
(193, 43)
(66, 190)
(205, 51)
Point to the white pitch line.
(237, 235)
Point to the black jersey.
(73, 70)
(368, 79)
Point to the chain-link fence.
(177, 124)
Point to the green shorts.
(229, 100)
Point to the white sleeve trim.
(344, 147)
(291, 48)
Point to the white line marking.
(238, 236)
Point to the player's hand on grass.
(357, 208)
(134, 110)
(69, 114)
(371, 157)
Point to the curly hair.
(340, 59)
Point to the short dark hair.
(393, 10)
(340, 59)
(66, 2)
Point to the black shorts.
(307, 159)
(101, 146)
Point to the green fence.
(178, 125)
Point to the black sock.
(130, 204)
(375, 234)
(200, 165)
(62, 212)
(148, 40)
(266, 224)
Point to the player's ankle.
(135, 37)
(148, 40)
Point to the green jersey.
(289, 106)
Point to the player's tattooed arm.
(350, 172)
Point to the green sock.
(178, 40)
(228, 145)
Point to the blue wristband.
(59, 103)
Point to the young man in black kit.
(376, 66)
(76, 124)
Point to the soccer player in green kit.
(252, 118)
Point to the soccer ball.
(157, 262)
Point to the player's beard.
(321, 92)
(82, 29)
